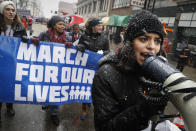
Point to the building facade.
(67, 8)
(32, 6)
(180, 15)
(120, 7)
(93, 8)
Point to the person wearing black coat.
(183, 58)
(117, 103)
(75, 34)
(10, 25)
(55, 33)
(94, 40)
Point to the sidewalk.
(188, 71)
(38, 28)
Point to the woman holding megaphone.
(117, 104)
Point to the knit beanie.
(141, 23)
(95, 22)
(55, 19)
(4, 4)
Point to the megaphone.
(182, 90)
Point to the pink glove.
(35, 41)
(68, 44)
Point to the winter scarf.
(59, 39)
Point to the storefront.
(115, 26)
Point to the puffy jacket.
(94, 42)
(117, 105)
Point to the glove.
(68, 44)
(35, 41)
(80, 48)
(25, 39)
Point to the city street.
(33, 118)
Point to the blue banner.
(47, 74)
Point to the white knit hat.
(5, 3)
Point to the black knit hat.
(142, 23)
(95, 22)
(52, 22)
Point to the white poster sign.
(139, 3)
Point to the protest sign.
(47, 74)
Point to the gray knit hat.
(141, 23)
(52, 22)
(4, 4)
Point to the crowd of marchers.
(117, 105)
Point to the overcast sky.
(52, 5)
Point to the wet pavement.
(33, 118)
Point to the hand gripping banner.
(47, 74)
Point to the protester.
(122, 35)
(30, 23)
(94, 40)
(55, 33)
(24, 21)
(75, 34)
(183, 58)
(10, 25)
(117, 103)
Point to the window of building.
(81, 10)
(89, 8)
(187, 20)
(169, 20)
(101, 5)
(194, 16)
(94, 5)
(120, 3)
(186, 16)
(106, 4)
(85, 9)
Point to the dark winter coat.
(94, 42)
(71, 37)
(44, 36)
(117, 106)
(184, 57)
